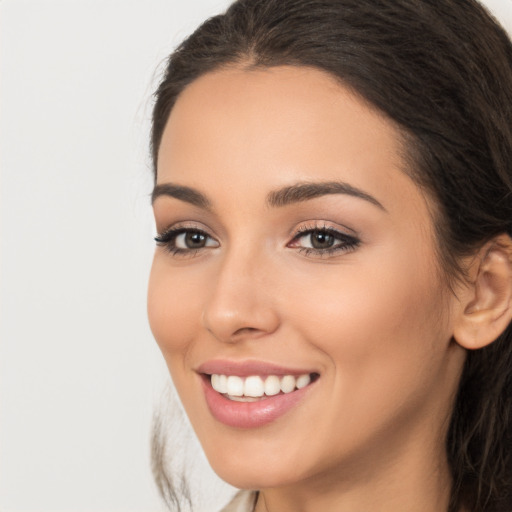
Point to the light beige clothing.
(244, 501)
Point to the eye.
(191, 240)
(323, 241)
(185, 240)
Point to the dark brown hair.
(442, 71)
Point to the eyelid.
(174, 233)
(179, 224)
(345, 242)
(186, 226)
(323, 224)
(167, 238)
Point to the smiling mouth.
(254, 388)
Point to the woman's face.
(294, 248)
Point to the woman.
(332, 285)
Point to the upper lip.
(247, 368)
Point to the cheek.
(173, 309)
(367, 301)
(382, 326)
(383, 333)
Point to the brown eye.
(321, 240)
(191, 239)
(183, 240)
(194, 240)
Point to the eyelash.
(344, 243)
(168, 240)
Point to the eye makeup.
(313, 240)
(185, 241)
(323, 241)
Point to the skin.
(375, 320)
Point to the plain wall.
(79, 371)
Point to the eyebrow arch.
(278, 198)
(182, 193)
(306, 191)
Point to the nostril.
(245, 330)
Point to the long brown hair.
(442, 70)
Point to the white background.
(79, 371)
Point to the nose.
(240, 305)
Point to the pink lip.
(248, 415)
(247, 368)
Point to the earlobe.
(486, 302)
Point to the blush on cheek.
(364, 315)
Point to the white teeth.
(235, 386)
(272, 385)
(303, 381)
(223, 384)
(288, 383)
(215, 382)
(254, 387)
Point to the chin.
(252, 476)
(248, 465)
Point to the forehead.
(255, 130)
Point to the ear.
(485, 308)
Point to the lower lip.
(250, 414)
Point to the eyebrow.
(297, 193)
(182, 193)
(306, 191)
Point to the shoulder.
(243, 501)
